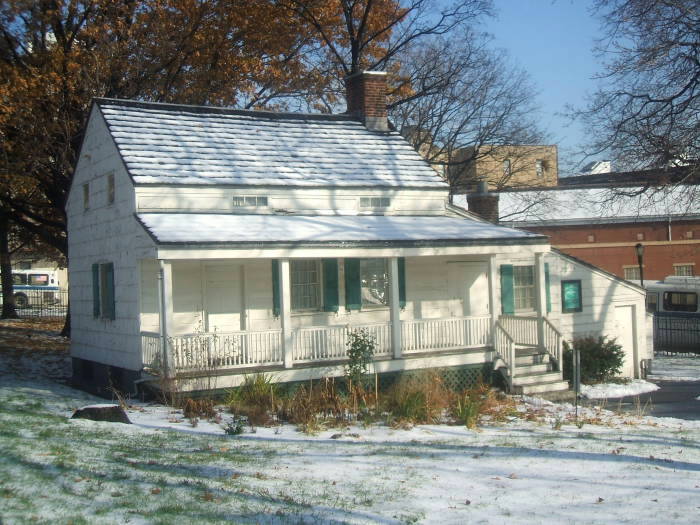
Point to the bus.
(673, 294)
(36, 287)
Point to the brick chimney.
(483, 203)
(366, 99)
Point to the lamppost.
(639, 248)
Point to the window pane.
(680, 301)
(571, 296)
(652, 300)
(374, 282)
(306, 284)
(524, 287)
(632, 273)
(19, 279)
(262, 201)
(250, 201)
(684, 270)
(39, 279)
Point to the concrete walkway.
(673, 399)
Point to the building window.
(375, 202)
(506, 168)
(539, 168)
(684, 269)
(689, 235)
(640, 236)
(86, 196)
(571, 296)
(249, 201)
(374, 279)
(680, 301)
(103, 304)
(110, 188)
(631, 273)
(591, 237)
(524, 288)
(306, 284)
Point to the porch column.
(493, 298)
(165, 296)
(394, 306)
(285, 295)
(541, 296)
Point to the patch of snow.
(613, 390)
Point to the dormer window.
(249, 201)
(375, 203)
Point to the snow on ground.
(542, 465)
(615, 390)
(670, 368)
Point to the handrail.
(504, 346)
(552, 343)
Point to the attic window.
(375, 202)
(249, 201)
(539, 168)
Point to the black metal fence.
(41, 303)
(677, 332)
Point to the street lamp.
(639, 248)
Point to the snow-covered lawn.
(537, 467)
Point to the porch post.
(541, 296)
(165, 296)
(394, 306)
(493, 298)
(285, 313)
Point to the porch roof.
(286, 230)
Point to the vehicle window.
(38, 279)
(652, 301)
(19, 279)
(680, 301)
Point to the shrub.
(418, 398)
(601, 358)
(198, 408)
(317, 403)
(360, 350)
(255, 398)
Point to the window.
(249, 201)
(306, 284)
(590, 238)
(19, 279)
(86, 196)
(103, 305)
(571, 296)
(684, 269)
(110, 188)
(631, 273)
(640, 236)
(539, 168)
(524, 288)
(689, 235)
(375, 202)
(652, 302)
(680, 301)
(38, 279)
(506, 168)
(374, 279)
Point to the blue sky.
(552, 40)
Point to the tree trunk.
(8, 294)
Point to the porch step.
(530, 356)
(548, 388)
(533, 369)
(536, 378)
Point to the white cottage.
(212, 243)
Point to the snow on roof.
(219, 228)
(174, 144)
(594, 204)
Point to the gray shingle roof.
(173, 144)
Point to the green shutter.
(353, 287)
(402, 282)
(330, 285)
(95, 290)
(507, 297)
(109, 304)
(546, 284)
(275, 288)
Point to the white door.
(469, 288)
(626, 333)
(222, 297)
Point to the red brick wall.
(612, 247)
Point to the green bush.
(601, 359)
(360, 350)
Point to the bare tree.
(471, 100)
(646, 113)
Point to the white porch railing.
(522, 329)
(226, 350)
(427, 335)
(504, 346)
(329, 343)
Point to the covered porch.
(227, 311)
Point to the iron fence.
(41, 303)
(677, 332)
